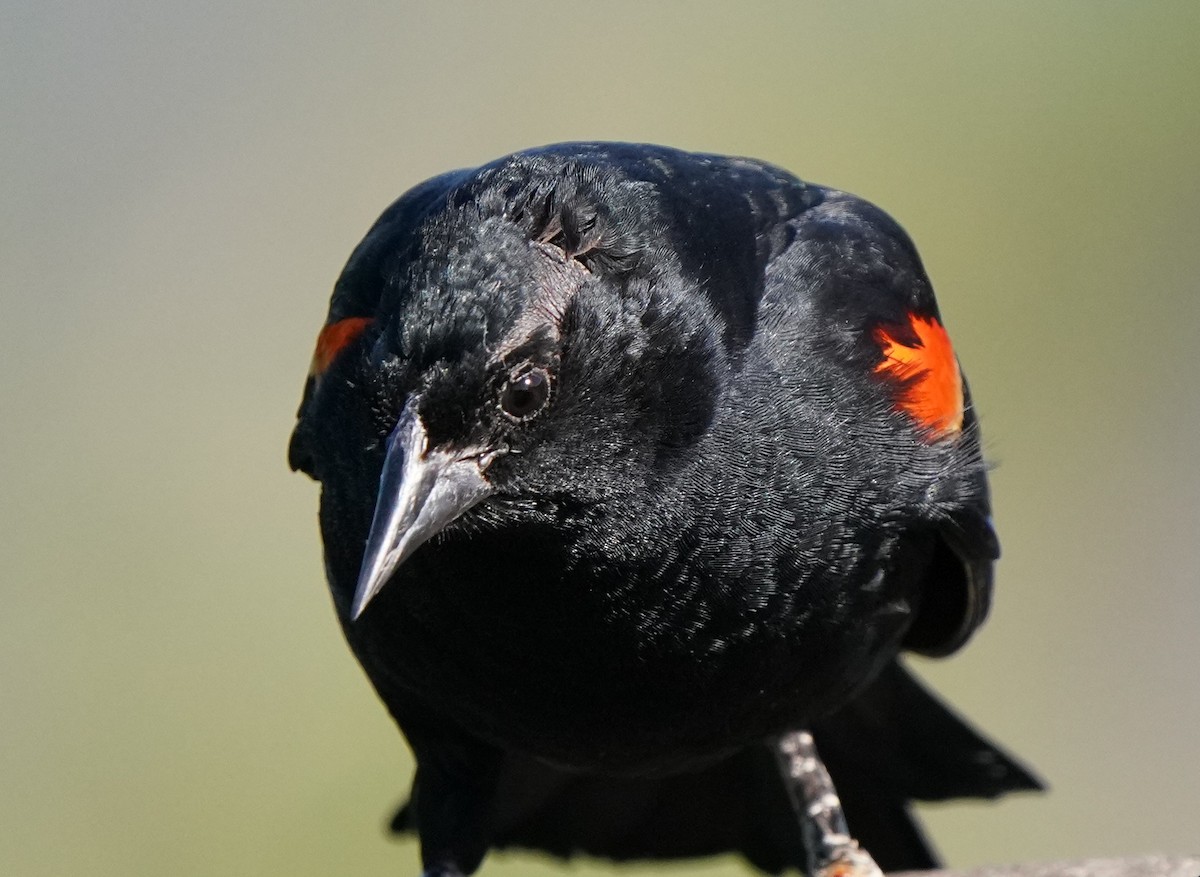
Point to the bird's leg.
(451, 799)
(832, 852)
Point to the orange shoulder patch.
(333, 339)
(920, 359)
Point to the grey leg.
(832, 852)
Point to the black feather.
(722, 526)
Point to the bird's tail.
(894, 743)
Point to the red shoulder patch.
(333, 340)
(921, 361)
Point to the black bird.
(639, 469)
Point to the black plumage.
(620, 482)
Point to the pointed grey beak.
(421, 490)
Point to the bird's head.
(502, 349)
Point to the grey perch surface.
(1140, 866)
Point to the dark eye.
(526, 394)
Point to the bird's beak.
(421, 490)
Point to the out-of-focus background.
(181, 186)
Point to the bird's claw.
(442, 871)
(850, 861)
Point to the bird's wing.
(862, 284)
(372, 266)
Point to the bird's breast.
(620, 672)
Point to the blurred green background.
(182, 184)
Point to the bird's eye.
(526, 394)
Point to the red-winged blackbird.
(639, 468)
